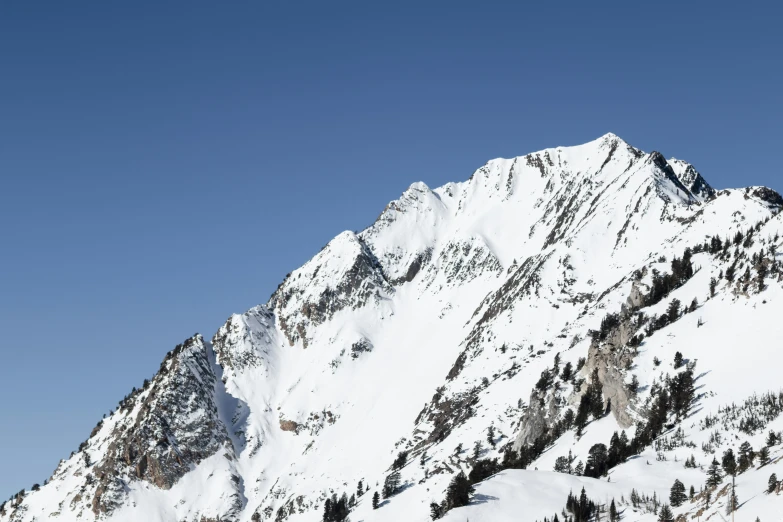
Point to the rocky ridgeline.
(552, 301)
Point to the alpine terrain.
(581, 333)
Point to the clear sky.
(163, 165)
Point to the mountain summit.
(588, 317)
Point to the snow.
(530, 252)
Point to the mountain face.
(588, 317)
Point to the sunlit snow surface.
(534, 250)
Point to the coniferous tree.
(436, 511)
(376, 500)
(772, 439)
(681, 392)
(677, 360)
(733, 502)
(359, 489)
(567, 372)
(582, 508)
(596, 395)
(614, 516)
(581, 414)
(391, 484)
(673, 312)
(746, 457)
(615, 454)
(729, 463)
(713, 474)
(772, 484)
(477, 449)
(579, 469)
(633, 386)
(459, 491)
(677, 494)
(401, 460)
(596, 461)
(491, 435)
(666, 514)
(483, 469)
(341, 513)
(764, 456)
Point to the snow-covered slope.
(438, 337)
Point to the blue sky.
(164, 166)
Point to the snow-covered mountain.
(528, 313)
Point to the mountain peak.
(550, 276)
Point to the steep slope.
(437, 338)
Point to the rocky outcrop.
(541, 413)
(245, 340)
(611, 361)
(344, 275)
(165, 430)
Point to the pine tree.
(677, 494)
(633, 386)
(713, 474)
(733, 503)
(666, 514)
(359, 489)
(376, 500)
(613, 515)
(392, 484)
(435, 511)
(579, 469)
(764, 456)
(772, 439)
(567, 372)
(459, 491)
(673, 312)
(477, 450)
(581, 414)
(729, 463)
(677, 360)
(772, 484)
(692, 493)
(491, 435)
(401, 460)
(596, 461)
(595, 391)
(746, 456)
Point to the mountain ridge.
(529, 251)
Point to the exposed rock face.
(542, 411)
(611, 359)
(767, 195)
(344, 275)
(170, 426)
(463, 261)
(458, 299)
(245, 340)
(692, 180)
